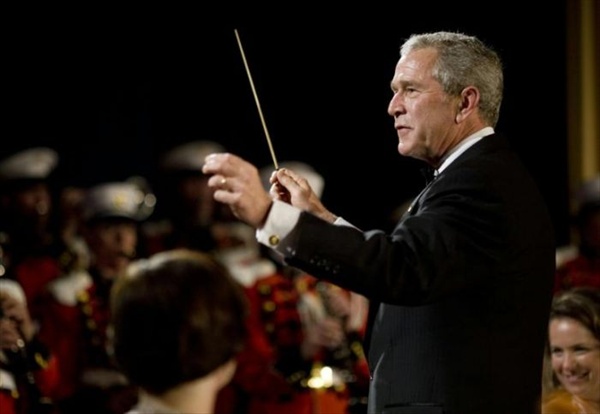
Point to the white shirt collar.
(465, 144)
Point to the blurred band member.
(77, 309)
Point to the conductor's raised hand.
(237, 183)
(292, 188)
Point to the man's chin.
(404, 149)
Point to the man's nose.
(396, 106)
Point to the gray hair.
(464, 61)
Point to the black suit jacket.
(460, 291)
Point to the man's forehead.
(417, 60)
(415, 66)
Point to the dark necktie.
(428, 173)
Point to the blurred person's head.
(186, 194)
(111, 214)
(178, 322)
(587, 219)
(574, 342)
(25, 192)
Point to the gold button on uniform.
(273, 240)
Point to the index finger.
(287, 177)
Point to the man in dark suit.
(460, 290)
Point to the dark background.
(112, 89)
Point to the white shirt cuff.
(281, 220)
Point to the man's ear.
(469, 102)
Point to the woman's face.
(575, 357)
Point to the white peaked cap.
(118, 200)
(189, 156)
(32, 163)
(315, 180)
